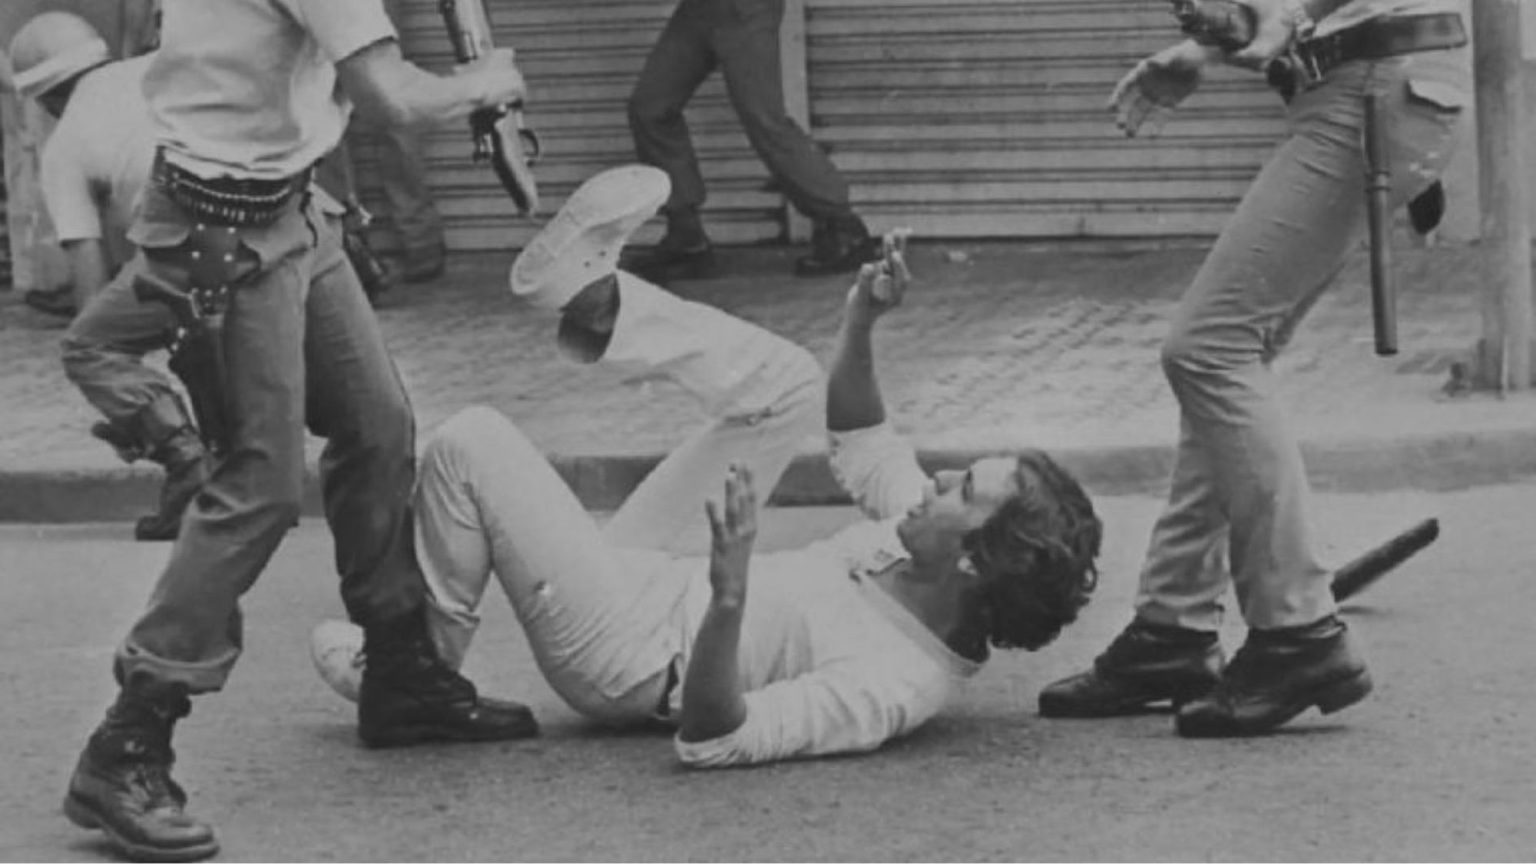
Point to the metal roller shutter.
(966, 118)
(581, 60)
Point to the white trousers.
(600, 605)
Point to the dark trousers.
(741, 38)
(302, 347)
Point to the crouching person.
(836, 647)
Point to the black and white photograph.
(767, 430)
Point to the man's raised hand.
(881, 284)
(733, 529)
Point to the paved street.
(1435, 766)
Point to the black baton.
(1378, 208)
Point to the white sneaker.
(336, 647)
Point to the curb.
(1436, 462)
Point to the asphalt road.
(1435, 766)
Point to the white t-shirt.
(96, 162)
(247, 88)
(830, 662)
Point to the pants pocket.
(1437, 96)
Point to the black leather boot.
(1276, 675)
(838, 245)
(59, 302)
(409, 696)
(122, 784)
(684, 252)
(186, 469)
(1145, 665)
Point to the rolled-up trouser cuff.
(142, 673)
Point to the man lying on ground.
(838, 646)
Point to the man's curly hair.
(1036, 553)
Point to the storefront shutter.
(966, 118)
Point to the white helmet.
(52, 48)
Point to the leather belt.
(1375, 39)
(233, 201)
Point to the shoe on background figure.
(59, 302)
(840, 244)
(424, 264)
(684, 252)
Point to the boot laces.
(148, 772)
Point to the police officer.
(246, 95)
(1237, 508)
(94, 167)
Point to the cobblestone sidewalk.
(1000, 346)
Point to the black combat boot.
(684, 252)
(838, 245)
(1276, 675)
(186, 470)
(409, 696)
(1146, 664)
(122, 784)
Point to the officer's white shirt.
(96, 162)
(829, 661)
(247, 88)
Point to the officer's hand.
(881, 284)
(1273, 33)
(1158, 84)
(497, 74)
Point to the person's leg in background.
(678, 63)
(402, 172)
(408, 198)
(103, 354)
(747, 43)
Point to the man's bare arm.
(713, 701)
(390, 90)
(853, 390)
